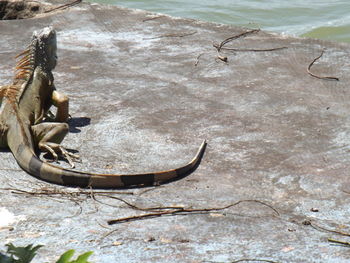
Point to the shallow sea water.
(321, 19)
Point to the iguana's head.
(40, 53)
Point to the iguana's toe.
(47, 148)
(56, 149)
(69, 156)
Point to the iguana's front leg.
(61, 102)
(49, 135)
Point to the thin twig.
(227, 40)
(108, 234)
(320, 228)
(150, 189)
(179, 211)
(92, 195)
(56, 191)
(152, 18)
(76, 197)
(64, 6)
(174, 35)
(197, 59)
(344, 243)
(330, 230)
(316, 76)
(253, 259)
(52, 193)
(220, 46)
(248, 50)
(80, 209)
(137, 207)
(11, 169)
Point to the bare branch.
(316, 76)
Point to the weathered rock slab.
(145, 89)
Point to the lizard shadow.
(78, 122)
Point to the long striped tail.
(27, 159)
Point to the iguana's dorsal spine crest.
(38, 54)
(23, 71)
(25, 65)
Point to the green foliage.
(22, 254)
(26, 254)
(69, 254)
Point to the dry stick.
(152, 18)
(178, 212)
(330, 230)
(316, 76)
(92, 195)
(248, 50)
(181, 211)
(71, 196)
(227, 40)
(320, 228)
(137, 207)
(52, 192)
(344, 243)
(20, 191)
(56, 191)
(11, 169)
(253, 259)
(197, 59)
(80, 209)
(64, 6)
(150, 189)
(174, 35)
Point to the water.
(322, 19)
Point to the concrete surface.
(142, 100)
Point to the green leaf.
(83, 258)
(22, 254)
(66, 256)
(26, 254)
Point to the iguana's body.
(24, 106)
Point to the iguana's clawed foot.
(54, 149)
(69, 156)
(50, 117)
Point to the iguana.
(24, 130)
